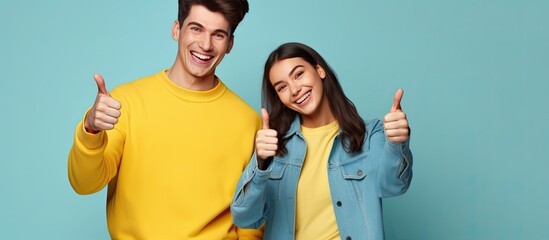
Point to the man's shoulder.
(146, 80)
(236, 103)
(137, 84)
(236, 99)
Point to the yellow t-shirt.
(315, 217)
(171, 163)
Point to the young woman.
(319, 171)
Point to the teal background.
(475, 75)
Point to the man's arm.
(90, 169)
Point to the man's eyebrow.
(195, 23)
(202, 26)
(221, 31)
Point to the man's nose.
(205, 42)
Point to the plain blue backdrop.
(475, 75)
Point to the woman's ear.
(320, 71)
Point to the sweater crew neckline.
(192, 95)
(330, 127)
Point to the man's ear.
(320, 71)
(176, 30)
(231, 41)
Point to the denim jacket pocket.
(355, 168)
(277, 170)
(353, 173)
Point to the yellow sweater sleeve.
(92, 161)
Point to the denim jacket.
(357, 183)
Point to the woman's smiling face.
(299, 86)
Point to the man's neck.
(188, 81)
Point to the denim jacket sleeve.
(394, 171)
(249, 208)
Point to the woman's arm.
(249, 206)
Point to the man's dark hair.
(233, 10)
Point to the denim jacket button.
(359, 172)
(338, 203)
(348, 238)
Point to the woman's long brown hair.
(353, 129)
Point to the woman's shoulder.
(373, 124)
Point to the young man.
(171, 146)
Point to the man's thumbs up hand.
(105, 111)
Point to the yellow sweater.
(171, 162)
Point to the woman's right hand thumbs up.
(266, 141)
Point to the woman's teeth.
(303, 98)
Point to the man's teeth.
(202, 56)
(303, 98)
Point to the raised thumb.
(100, 84)
(396, 101)
(265, 117)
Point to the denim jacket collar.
(295, 127)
